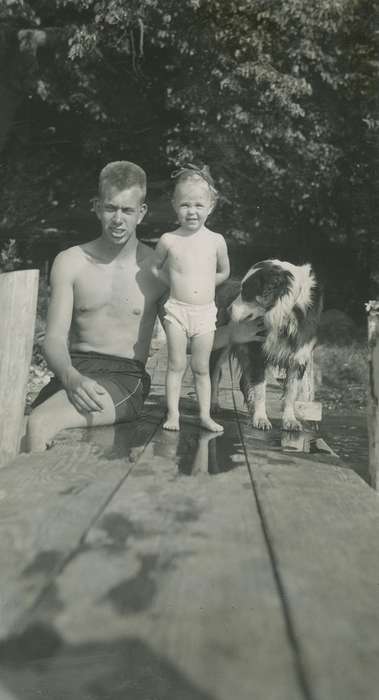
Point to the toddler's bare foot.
(172, 423)
(209, 424)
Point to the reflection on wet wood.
(135, 562)
(47, 502)
(176, 565)
(322, 523)
(305, 442)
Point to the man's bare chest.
(112, 289)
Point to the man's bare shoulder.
(68, 262)
(69, 256)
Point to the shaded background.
(279, 99)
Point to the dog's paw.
(261, 423)
(292, 425)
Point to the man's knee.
(36, 422)
(38, 432)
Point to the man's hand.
(83, 392)
(248, 331)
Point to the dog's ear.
(266, 283)
(278, 282)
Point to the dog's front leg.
(258, 412)
(253, 384)
(290, 422)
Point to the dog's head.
(262, 286)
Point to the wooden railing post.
(373, 391)
(306, 407)
(307, 385)
(18, 299)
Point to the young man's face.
(193, 203)
(120, 212)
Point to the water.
(347, 436)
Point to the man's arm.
(242, 332)
(159, 269)
(223, 265)
(82, 391)
(59, 317)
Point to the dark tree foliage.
(279, 98)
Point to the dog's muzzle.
(242, 311)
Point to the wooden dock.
(138, 564)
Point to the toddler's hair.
(193, 172)
(122, 174)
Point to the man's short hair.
(122, 175)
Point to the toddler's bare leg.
(176, 364)
(201, 346)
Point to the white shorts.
(193, 319)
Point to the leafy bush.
(9, 259)
(40, 327)
(342, 366)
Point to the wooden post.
(372, 309)
(306, 408)
(307, 385)
(18, 298)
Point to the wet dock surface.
(146, 565)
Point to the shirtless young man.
(103, 306)
(197, 261)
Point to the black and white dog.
(289, 299)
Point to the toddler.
(192, 261)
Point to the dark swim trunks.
(126, 381)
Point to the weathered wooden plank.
(306, 408)
(373, 392)
(305, 442)
(322, 523)
(302, 442)
(49, 500)
(18, 295)
(309, 410)
(172, 589)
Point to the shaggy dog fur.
(289, 299)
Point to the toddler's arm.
(160, 257)
(223, 265)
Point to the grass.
(344, 376)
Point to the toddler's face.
(192, 203)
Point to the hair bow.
(191, 168)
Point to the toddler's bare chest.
(192, 258)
